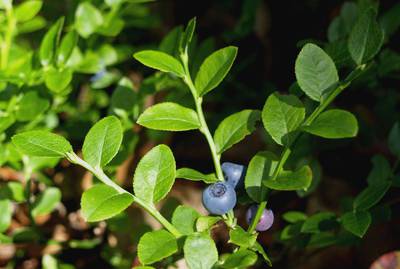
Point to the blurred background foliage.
(100, 78)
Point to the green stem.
(257, 217)
(73, 158)
(157, 215)
(287, 151)
(6, 44)
(27, 172)
(203, 124)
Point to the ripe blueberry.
(266, 220)
(219, 198)
(234, 174)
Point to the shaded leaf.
(234, 128)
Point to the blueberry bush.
(71, 100)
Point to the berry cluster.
(219, 198)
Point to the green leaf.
(87, 19)
(184, 219)
(205, 223)
(214, 69)
(169, 117)
(170, 42)
(4, 239)
(334, 123)
(291, 180)
(294, 216)
(6, 214)
(46, 202)
(390, 21)
(155, 174)
(194, 175)
(371, 195)
(341, 26)
(155, 246)
(381, 170)
(49, 262)
(200, 251)
(323, 240)
(356, 222)
(243, 258)
(260, 168)
(102, 142)
(13, 190)
(366, 38)
(187, 35)
(124, 97)
(41, 144)
(234, 128)
(32, 25)
(160, 61)
(257, 247)
(57, 80)
(67, 46)
(394, 139)
(6, 122)
(282, 115)
(27, 10)
(241, 238)
(49, 43)
(319, 222)
(315, 71)
(30, 106)
(103, 202)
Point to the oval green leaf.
(49, 43)
(291, 180)
(103, 202)
(214, 69)
(315, 71)
(194, 175)
(102, 142)
(41, 144)
(27, 10)
(282, 115)
(169, 117)
(234, 128)
(366, 38)
(184, 219)
(155, 174)
(260, 169)
(356, 222)
(155, 246)
(160, 61)
(87, 19)
(46, 202)
(334, 123)
(200, 251)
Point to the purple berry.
(266, 220)
(219, 198)
(234, 174)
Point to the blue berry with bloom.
(234, 174)
(219, 198)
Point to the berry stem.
(203, 124)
